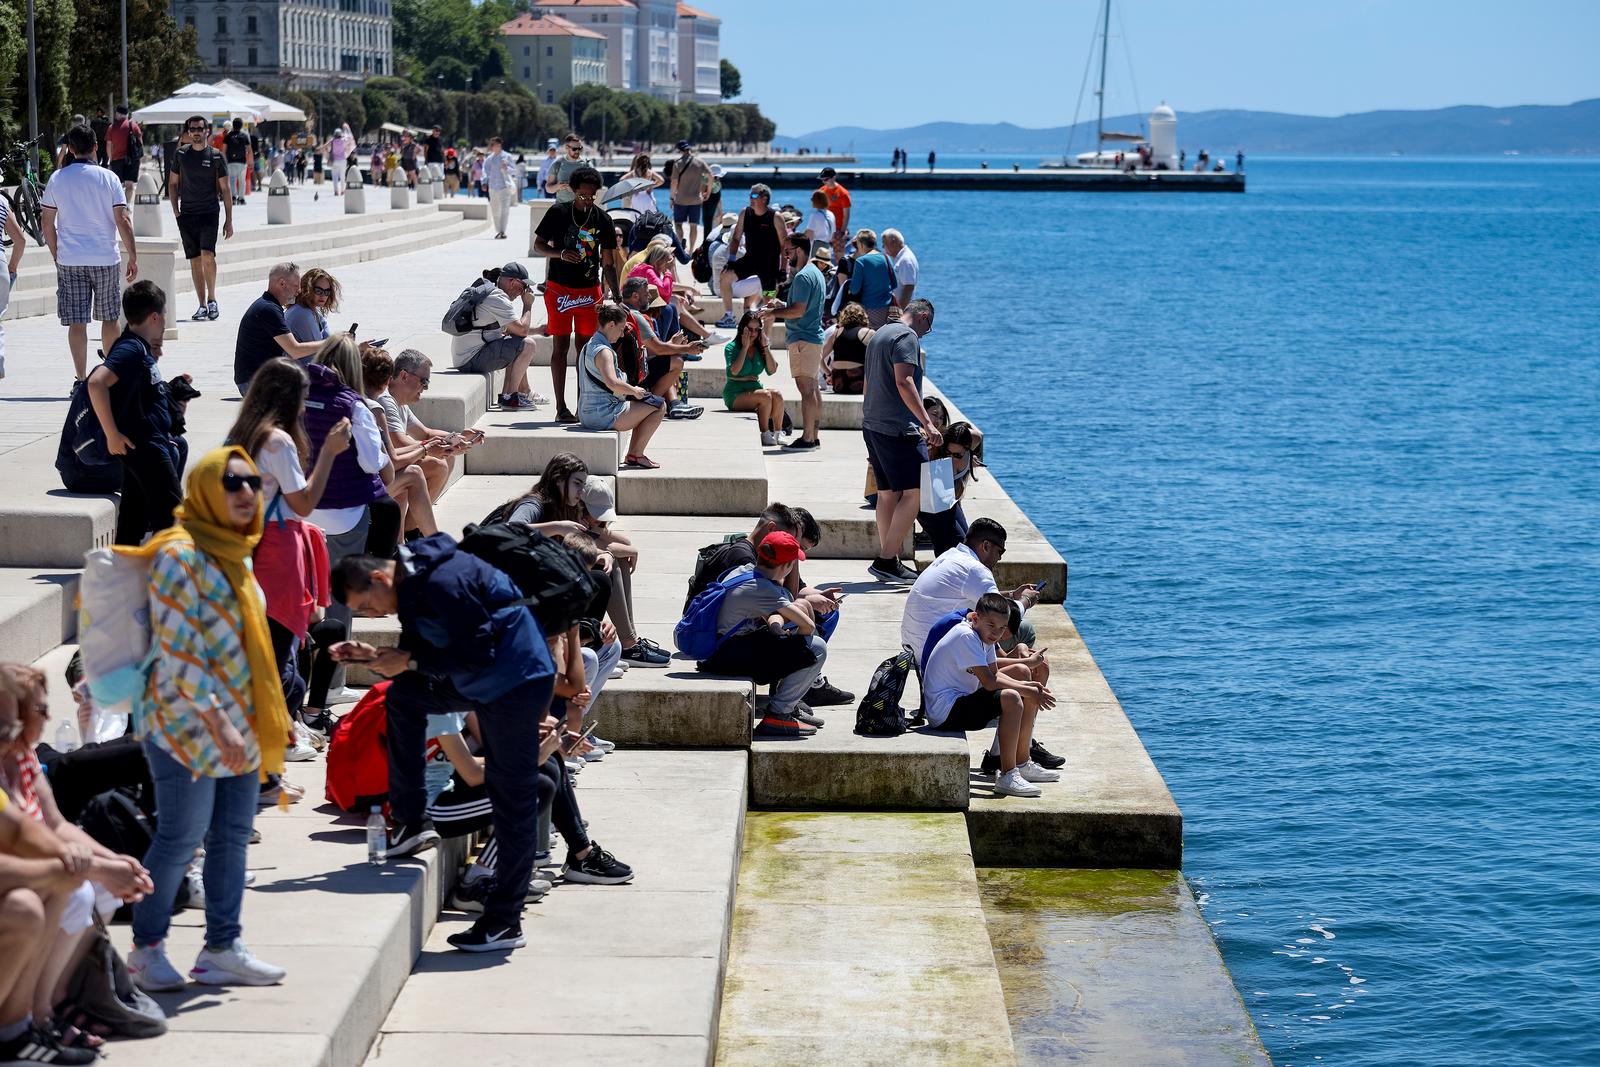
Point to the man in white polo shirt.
(905, 264)
(84, 213)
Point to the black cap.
(122, 109)
(827, 172)
(682, 145)
(515, 270)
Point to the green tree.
(53, 22)
(732, 83)
(13, 42)
(161, 56)
(603, 120)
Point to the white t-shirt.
(279, 464)
(490, 317)
(953, 582)
(370, 454)
(85, 198)
(819, 224)
(947, 678)
(905, 269)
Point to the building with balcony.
(646, 46)
(296, 44)
(699, 56)
(550, 54)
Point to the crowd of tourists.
(320, 506)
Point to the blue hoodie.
(459, 618)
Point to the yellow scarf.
(202, 519)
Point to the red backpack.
(358, 753)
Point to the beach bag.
(879, 714)
(358, 753)
(556, 585)
(938, 485)
(696, 633)
(114, 627)
(84, 462)
(102, 992)
(458, 321)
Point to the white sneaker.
(151, 971)
(1012, 784)
(195, 878)
(302, 748)
(602, 743)
(1035, 773)
(618, 671)
(574, 766)
(234, 965)
(768, 439)
(594, 755)
(345, 696)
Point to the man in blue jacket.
(466, 644)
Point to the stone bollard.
(355, 194)
(158, 259)
(146, 207)
(536, 213)
(278, 213)
(438, 188)
(424, 192)
(399, 196)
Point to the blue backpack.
(945, 624)
(696, 633)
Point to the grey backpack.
(458, 320)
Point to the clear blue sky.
(902, 62)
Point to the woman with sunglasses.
(317, 298)
(763, 232)
(213, 719)
(749, 355)
(964, 447)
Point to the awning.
(270, 110)
(214, 107)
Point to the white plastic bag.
(938, 485)
(114, 626)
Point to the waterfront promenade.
(795, 902)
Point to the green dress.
(734, 388)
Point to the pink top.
(662, 282)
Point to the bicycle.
(24, 200)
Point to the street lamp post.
(125, 51)
(33, 80)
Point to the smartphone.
(354, 326)
(379, 343)
(1040, 587)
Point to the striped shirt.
(194, 619)
(20, 777)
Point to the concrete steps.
(38, 611)
(629, 974)
(860, 938)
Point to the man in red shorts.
(578, 241)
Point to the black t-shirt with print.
(198, 170)
(589, 232)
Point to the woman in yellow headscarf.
(213, 719)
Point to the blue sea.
(1324, 460)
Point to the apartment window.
(526, 74)
(549, 96)
(222, 24)
(549, 72)
(250, 25)
(252, 55)
(222, 57)
(188, 20)
(549, 50)
(525, 50)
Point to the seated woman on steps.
(318, 298)
(607, 402)
(749, 355)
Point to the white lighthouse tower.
(1164, 138)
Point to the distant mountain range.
(1571, 129)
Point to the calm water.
(1325, 461)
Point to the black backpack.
(647, 226)
(879, 714)
(555, 584)
(700, 262)
(135, 142)
(115, 820)
(699, 580)
(85, 463)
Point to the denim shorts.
(689, 213)
(496, 355)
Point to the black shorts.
(896, 459)
(746, 267)
(126, 169)
(199, 233)
(655, 369)
(975, 711)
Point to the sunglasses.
(322, 290)
(1000, 549)
(194, 129)
(234, 482)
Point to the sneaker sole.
(1033, 795)
(219, 978)
(505, 945)
(632, 663)
(471, 907)
(153, 988)
(595, 879)
(890, 579)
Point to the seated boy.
(968, 688)
(767, 636)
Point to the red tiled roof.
(685, 11)
(585, 3)
(546, 26)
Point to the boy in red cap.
(770, 638)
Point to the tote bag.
(938, 485)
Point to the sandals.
(75, 1028)
(640, 462)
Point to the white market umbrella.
(269, 109)
(175, 109)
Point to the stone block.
(469, 207)
(38, 611)
(522, 442)
(839, 769)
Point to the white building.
(660, 47)
(299, 44)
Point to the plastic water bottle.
(377, 837)
(66, 736)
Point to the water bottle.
(377, 837)
(66, 736)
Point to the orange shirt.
(838, 202)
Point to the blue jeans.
(510, 728)
(190, 811)
(597, 668)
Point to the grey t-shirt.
(561, 173)
(530, 511)
(882, 409)
(749, 601)
(397, 415)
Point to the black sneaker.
(890, 571)
(412, 838)
(807, 716)
(39, 1045)
(599, 867)
(909, 574)
(822, 694)
(484, 937)
(645, 655)
(321, 722)
(990, 764)
(470, 896)
(782, 728)
(682, 409)
(802, 443)
(1044, 757)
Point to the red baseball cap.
(778, 548)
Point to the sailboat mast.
(1105, 41)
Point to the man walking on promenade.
(803, 315)
(434, 155)
(467, 643)
(558, 180)
(236, 148)
(691, 185)
(838, 200)
(898, 432)
(500, 175)
(905, 266)
(123, 147)
(197, 181)
(85, 211)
